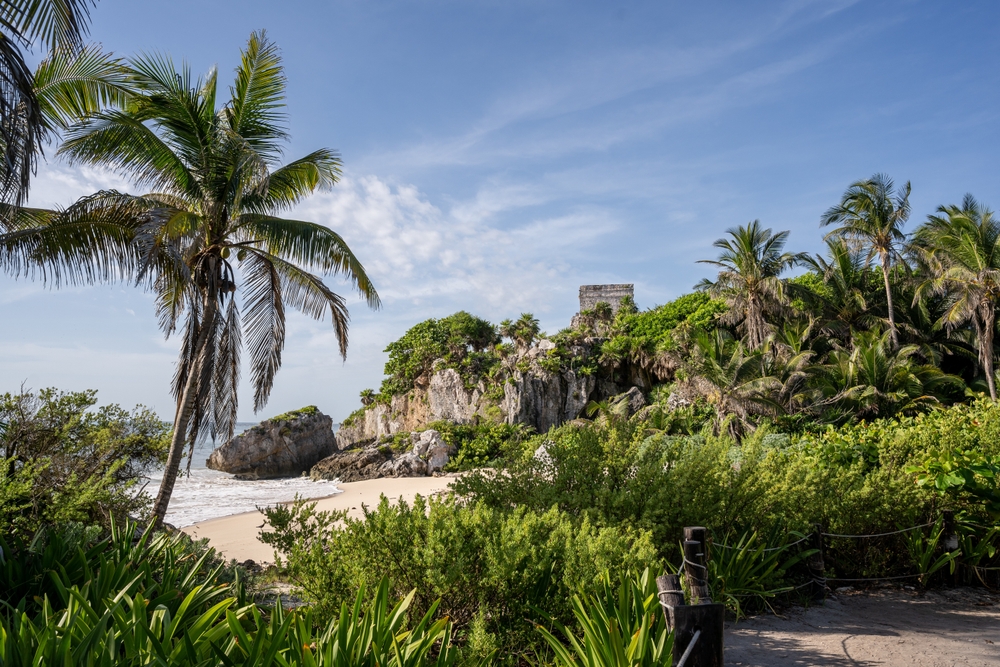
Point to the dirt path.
(890, 628)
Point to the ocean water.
(207, 494)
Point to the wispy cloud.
(417, 251)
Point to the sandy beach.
(236, 536)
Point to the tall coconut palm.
(751, 262)
(845, 272)
(52, 24)
(208, 231)
(961, 245)
(871, 214)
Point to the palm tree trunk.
(888, 300)
(185, 409)
(986, 349)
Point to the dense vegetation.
(62, 461)
(859, 396)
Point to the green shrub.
(158, 599)
(482, 443)
(513, 564)
(63, 461)
(462, 340)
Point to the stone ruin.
(591, 295)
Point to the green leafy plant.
(924, 552)
(746, 574)
(968, 473)
(622, 627)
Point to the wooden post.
(671, 593)
(950, 538)
(685, 621)
(817, 566)
(696, 572)
(698, 628)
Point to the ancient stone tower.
(591, 295)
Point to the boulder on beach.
(353, 465)
(283, 446)
(429, 455)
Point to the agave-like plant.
(622, 626)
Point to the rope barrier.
(895, 532)
(902, 576)
(686, 561)
(690, 647)
(787, 546)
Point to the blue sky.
(500, 154)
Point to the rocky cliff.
(531, 395)
(283, 446)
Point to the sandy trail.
(236, 536)
(889, 628)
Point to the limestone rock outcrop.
(353, 465)
(543, 400)
(283, 446)
(531, 395)
(429, 454)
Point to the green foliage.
(514, 564)
(924, 551)
(524, 331)
(748, 572)
(463, 341)
(295, 414)
(621, 628)
(61, 460)
(156, 600)
(696, 309)
(967, 473)
(481, 443)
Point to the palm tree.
(872, 380)
(871, 214)
(846, 276)
(731, 379)
(961, 245)
(748, 282)
(55, 24)
(207, 230)
(523, 331)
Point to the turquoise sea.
(207, 494)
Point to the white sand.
(236, 536)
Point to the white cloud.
(415, 251)
(58, 184)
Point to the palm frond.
(55, 23)
(295, 181)
(122, 142)
(89, 242)
(258, 96)
(310, 245)
(307, 294)
(74, 84)
(20, 124)
(264, 321)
